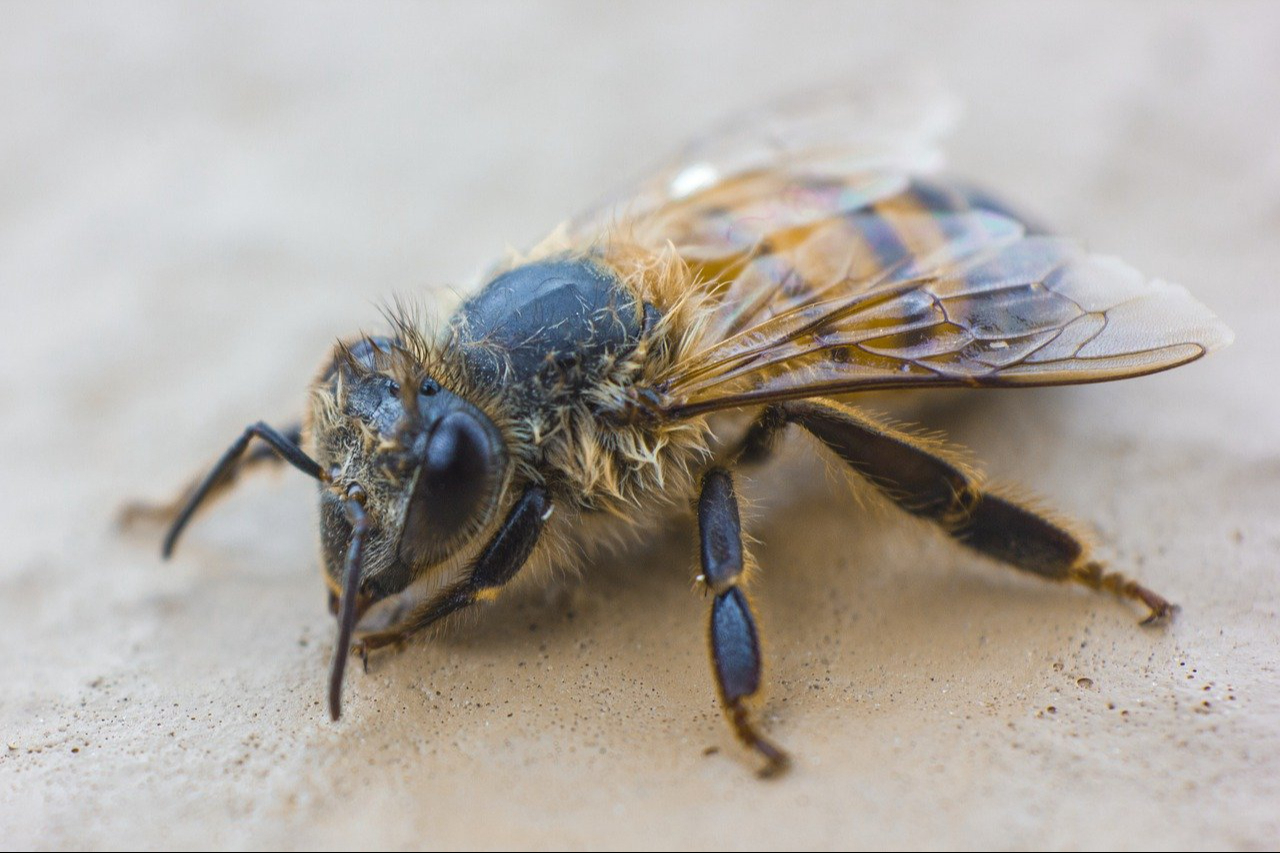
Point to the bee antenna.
(360, 526)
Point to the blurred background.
(196, 199)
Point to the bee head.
(432, 465)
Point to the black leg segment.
(285, 446)
(735, 641)
(166, 512)
(901, 466)
(762, 437)
(1020, 537)
(499, 562)
(735, 647)
(922, 477)
(721, 531)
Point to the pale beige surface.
(193, 203)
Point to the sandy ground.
(194, 202)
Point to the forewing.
(834, 265)
(990, 307)
(889, 129)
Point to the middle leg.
(735, 640)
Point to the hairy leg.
(922, 478)
(499, 562)
(761, 438)
(735, 640)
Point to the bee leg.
(499, 562)
(226, 469)
(735, 642)
(165, 512)
(921, 477)
(761, 438)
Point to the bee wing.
(990, 306)
(833, 265)
(891, 128)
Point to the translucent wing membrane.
(833, 266)
(892, 127)
(857, 248)
(1031, 311)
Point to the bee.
(626, 366)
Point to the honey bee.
(627, 365)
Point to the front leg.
(497, 565)
(280, 446)
(735, 641)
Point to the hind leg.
(921, 477)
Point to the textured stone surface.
(194, 201)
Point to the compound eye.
(455, 489)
